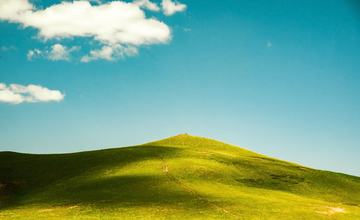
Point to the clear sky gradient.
(281, 78)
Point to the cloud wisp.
(169, 7)
(112, 52)
(3, 48)
(17, 94)
(146, 4)
(56, 52)
(114, 24)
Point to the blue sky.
(281, 78)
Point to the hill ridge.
(182, 176)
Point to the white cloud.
(111, 23)
(16, 94)
(2, 86)
(9, 96)
(34, 54)
(169, 7)
(147, 5)
(269, 44)
(106, 52)
(111, 52)
(44, 94)
(13, 9)
(30, 54)
(57, 52)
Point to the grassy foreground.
(182, 177)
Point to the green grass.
(182, 177)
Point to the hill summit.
(181, 177)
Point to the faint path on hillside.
(167, 173)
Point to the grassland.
(182, 177)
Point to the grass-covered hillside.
(182, 177)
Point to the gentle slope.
(182, 177)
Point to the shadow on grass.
(124, 191)
(23, 176)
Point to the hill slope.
(182, 177)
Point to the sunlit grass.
(183, 177)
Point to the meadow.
(181, 177)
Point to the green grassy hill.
(182, 177)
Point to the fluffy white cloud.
(111, 23)
(112, 52)
(170, 7)
(119, 26)
(14, 9)
(16, 94)
(57, 52)
(147, 5)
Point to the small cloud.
(269, 44)
(169, 7)
(111, 52)
(30, 54)
(33, 54)
(16, 94)
(147, 5)
(186, 29)
(57, 52)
